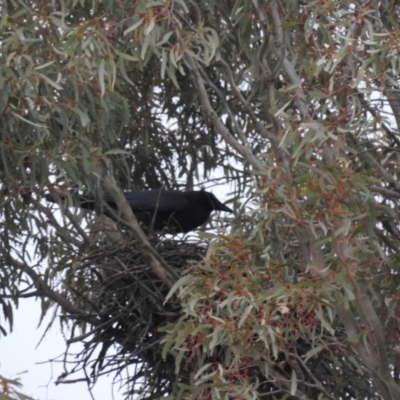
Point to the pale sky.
(18, 353)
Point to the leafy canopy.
(293, 104)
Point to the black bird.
(169, 211)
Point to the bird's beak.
(223, 207)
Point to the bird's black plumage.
(170, 211)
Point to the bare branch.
(385, 192)
(46, 291)
(160, 267)
(243, 150)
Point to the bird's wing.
(167, 201)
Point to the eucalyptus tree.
(293, 104)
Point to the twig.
(209, 111)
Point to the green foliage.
(10, 389)
(293, 104)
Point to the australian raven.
(169, 211)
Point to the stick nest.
(115, 284)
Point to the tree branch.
(158, 265)
(209, 111)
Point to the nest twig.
(129, 302)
